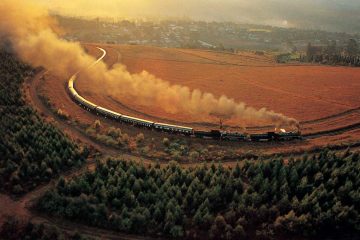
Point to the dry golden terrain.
(323, 98)
(304, 92)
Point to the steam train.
(175, 129)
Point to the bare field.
(302, 92)
(298, 97)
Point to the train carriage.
(262, 137)
(108, 113)
(73, 92)
(287, 136)
(136, 121)
(85, 103)
(71, 82)
(213, 134)
(173, 128)
(229, 136)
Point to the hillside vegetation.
(31, 150)
(313, 196)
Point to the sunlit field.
(179, 119)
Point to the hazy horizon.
(330, 15)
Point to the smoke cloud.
(34, 36)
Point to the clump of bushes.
(115, 137)
(62, 114)
(176, 148)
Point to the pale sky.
(334, 15)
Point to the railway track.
(26, 201)
(332, 132)
(304, 124)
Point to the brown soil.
(300, 91)
(323, 119)
(55, 89)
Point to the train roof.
(289, 133)
(71, 81)
(173, 126)
(136, 119)
(73, 92)
(234, 133)
(107, 110)
(86, 101)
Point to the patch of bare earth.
(304, 92)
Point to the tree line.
(334, 55)
(31, 150)
(308, 197)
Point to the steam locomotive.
(235, 136)
(176, 129)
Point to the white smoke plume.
(34, 37)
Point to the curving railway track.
(174, 129)
(20, 207)
(307, 126)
